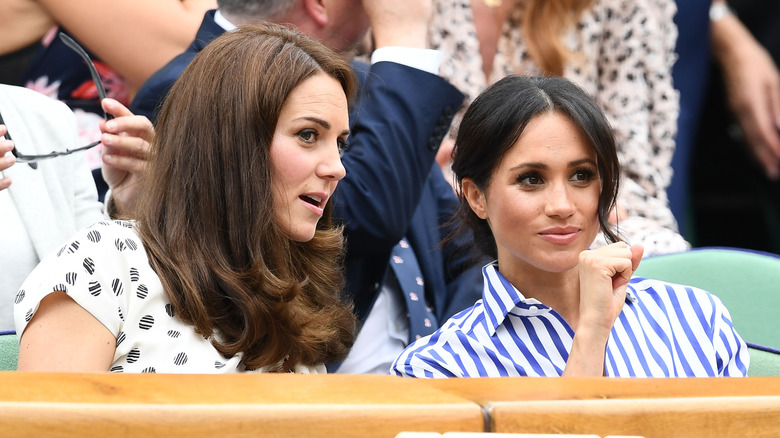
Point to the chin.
(561, 262)
(302, 234)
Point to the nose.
(559, 201)
(331, 168)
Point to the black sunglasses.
(22, 158)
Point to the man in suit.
(393, 189)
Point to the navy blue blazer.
(393, 187)
(150, 96)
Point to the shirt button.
(533, 309)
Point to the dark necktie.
(407, 271)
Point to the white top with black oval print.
(104, 268)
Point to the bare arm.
(604, 276)
(135, 37)
(24, 23)
(752, 84)
(63, 336)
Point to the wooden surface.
(118, 405)
(716, 407)
(115, 405)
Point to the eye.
(343, 145)
(308, 135)
(583, 176)
(530, 180)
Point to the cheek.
(288, 166)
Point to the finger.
(125, 162)
(6, 160)
(3, 130)
(135, 126)
(6, 146)
(623, 271)
(115, 108)
(637, 251)
(125, 145)
(5, 183)
(765, 158)
(773, 94)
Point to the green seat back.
(747, 282)
(9, 351)
(763, 363)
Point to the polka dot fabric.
(104, 268)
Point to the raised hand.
(604, 275)
(126, 143)
(6, 159)
(399, 22)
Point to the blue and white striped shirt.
(664, 330)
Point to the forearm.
(24, 23)
(402, 116)
(586, 358)
(729, 36)
(135, 37)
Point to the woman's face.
(542, 200)
(305, 154)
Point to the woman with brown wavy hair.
(620, 51)
(232, 263)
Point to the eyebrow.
(324, 123)
(544, 166)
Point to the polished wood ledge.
(662, 408)
(226, 406)
(148, 405)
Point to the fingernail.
(107, 139)
(111, 125)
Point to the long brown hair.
(544, 24)
(206, 218)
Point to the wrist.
(416, 38)
(719, 10)
(728, 37)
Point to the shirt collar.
(223, 22)
(500, 297)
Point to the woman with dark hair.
(620, 51)
(230, 263)
(550, 305)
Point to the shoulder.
(451, 351)
(96, 267)
(673, 295)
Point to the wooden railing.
(652, 408)
(117, 405)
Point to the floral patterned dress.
(58, 72)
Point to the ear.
(475, 197)
(317, 11)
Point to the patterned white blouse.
(104, 268)
(625, 55)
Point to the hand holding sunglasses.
(24, 158)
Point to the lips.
(315, 202)
(312, 199)
(560, 235)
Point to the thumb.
(636, 256)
